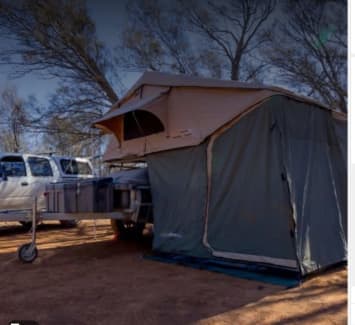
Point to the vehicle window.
(40, 166)
(13, 166)
(73, 167)
(84, 168)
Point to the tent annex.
(238, 171)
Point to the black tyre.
(27, 253)
(128, 230)
(27, 225)
(69, 223)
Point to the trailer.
(133, 208)
(28, 252)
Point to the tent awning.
(138, 105)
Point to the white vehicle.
(24, 176)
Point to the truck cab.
(24, 176)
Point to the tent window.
(140, 123)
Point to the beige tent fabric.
(134, 97)
(189, 116)
(152, 81)
(190, 109)
(112, 152)
(144, 103)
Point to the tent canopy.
(237, 171)
(186, 111)
(269, 187)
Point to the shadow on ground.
(78, 279)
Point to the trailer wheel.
(27, 253)
(69, 223)
(27, 225)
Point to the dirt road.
(80, 280)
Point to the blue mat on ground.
(254, 272)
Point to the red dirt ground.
(78, 279)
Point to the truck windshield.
(74, 167)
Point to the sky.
(109, 17)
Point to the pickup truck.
(24, 176)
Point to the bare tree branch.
(311, 49)
(57, 39)
(235, 27)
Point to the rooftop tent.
(134, 120)
(188, 108)
(242, 172)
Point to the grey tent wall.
(250, 216)
(316, 173)
(282, 167)
(339, 160)
(250, 213)
(178, 183)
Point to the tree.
(154, 39)
(235, 29)
(13, 121)
(310, 49)
(66, 138)
(57, 39)
(66, 122)
(197, 38)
